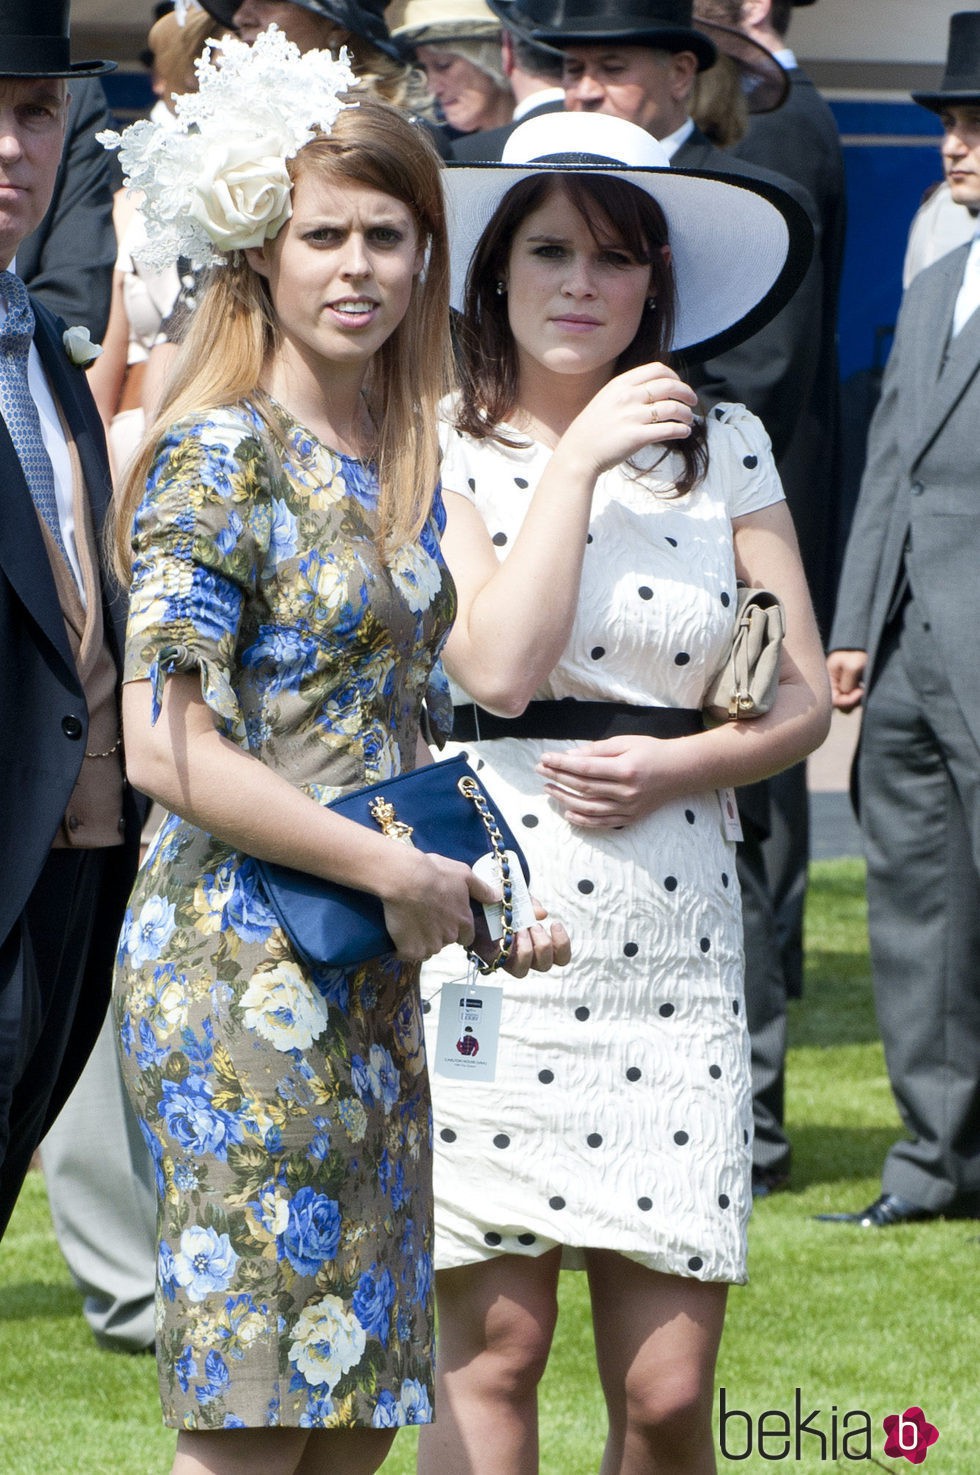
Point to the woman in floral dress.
(288, 602)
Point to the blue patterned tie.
(17, 404)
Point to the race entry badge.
(469, 1029)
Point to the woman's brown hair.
(233, 331)
(614, 211)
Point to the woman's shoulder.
(730, 426)
(740, 460)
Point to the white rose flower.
(327, 1343)
(281, 1007)
(79, 346)
(242, 196)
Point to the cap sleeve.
(741, 457)
(199, 539)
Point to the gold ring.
(654, 413)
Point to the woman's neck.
(327, 399)
(547, 402)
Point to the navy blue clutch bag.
(441, 808)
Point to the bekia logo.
(815, 1434)
(909, 1435)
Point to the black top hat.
(34, 42)
(665, 24)
(364, 18)
(961, 82)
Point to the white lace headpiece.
(217, 182)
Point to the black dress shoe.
(887, 1210)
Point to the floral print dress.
(287, 1111)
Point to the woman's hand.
(428, 905)
(612, 783)
(539, 947)
(646, 406)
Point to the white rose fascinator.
(217, 181)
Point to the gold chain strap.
(470, 789)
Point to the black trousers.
(55, 979)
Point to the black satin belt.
(573, 719)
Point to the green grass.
(855, 1320)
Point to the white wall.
(875, 30)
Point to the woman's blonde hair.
(233, 331)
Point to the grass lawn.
(859, 1322)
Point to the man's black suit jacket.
(43, 715)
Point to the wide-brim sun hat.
(960, 85)
(739, 247)
(365, 20)
(35, 42)
(438, 22)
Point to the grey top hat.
(961, 80)
(34, 42)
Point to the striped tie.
(17, 404)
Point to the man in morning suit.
(903, 646)
(799, 140)
(638, 60)
(69, 828)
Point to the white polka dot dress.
(621, 1116)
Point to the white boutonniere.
(79, 346)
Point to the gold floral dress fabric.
(287, 1111)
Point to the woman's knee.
(673, 1406)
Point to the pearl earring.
(500, 289)
(652, 303)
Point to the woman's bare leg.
(657, 1340)
(496, 1322)
(282, 1451)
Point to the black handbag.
(441, 808)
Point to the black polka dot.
(582, 1013)
(471, 483)
(705, 944)
(714, 1072)
(670, 883)
(631, 949)
(588, 538)
(681, 1138)
(718, 414)
(695, 1262)
(644, 1204)
(426, 1007)
(499, 539)
(723, 1200)
(520, 481)
(672, 542)
(726, 600)
(501, 1140)
(666, 1010)
(734, 1006)
(557, 1202)
(750, 461)
(527, 1239)
(447, 1134)
(634, 1073)
(724, 878)
(546, 1077)
(745, 1138)
(529, 821)
(594, 1139)
(597, 652)
(480, 764)
(645, 592)
(689, 816)
(681, 658)
(492, 1237)
(586, 887)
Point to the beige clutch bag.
(746, 684)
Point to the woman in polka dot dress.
(597, 526)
